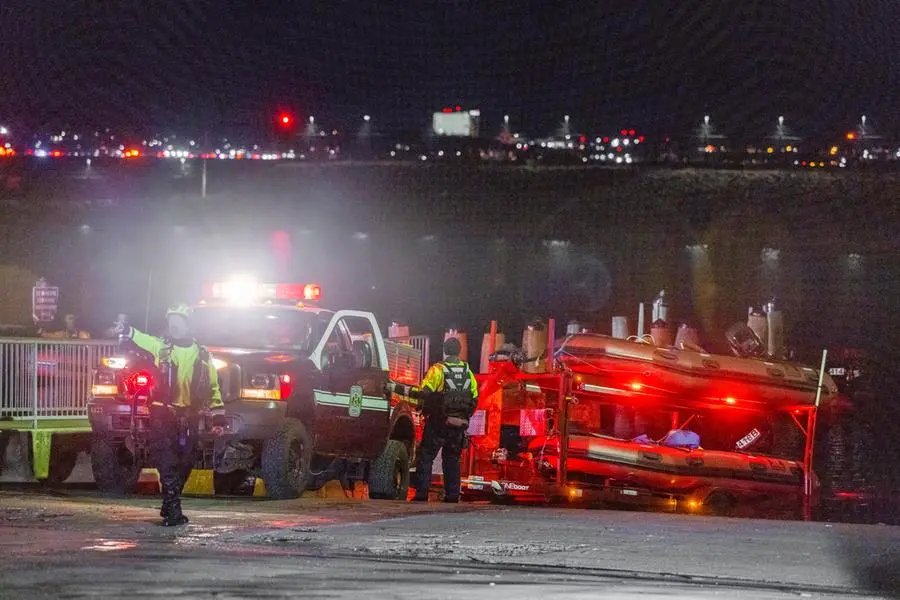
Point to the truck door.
(352, 415)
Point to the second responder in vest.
(189, 386)
(447, 415)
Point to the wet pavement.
(75, 544)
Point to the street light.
(4, 130)
(367, 118)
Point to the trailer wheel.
(389, 474)
(720, 503)
(116, 470)
(286, 459)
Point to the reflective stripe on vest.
(457, 378)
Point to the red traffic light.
(285, 120)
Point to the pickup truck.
(305, 393)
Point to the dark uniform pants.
(439, 437)
(173, 435)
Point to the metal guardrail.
(408, 358)
(47, 379)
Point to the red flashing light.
(458, 108)
(447, 110)
(286, 386)
(141, 381)
(851, 135)
(285, 120)
(619, 149)
(631, 132)
(641, 139)
(606, 140)
(582, 139)
(312, 292)
(624, 132)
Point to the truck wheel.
(63, 456)
(389, 474)
(285, 461)
(116, 472)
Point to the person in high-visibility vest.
(189, 385)
(447, 415)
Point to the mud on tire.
(115, 471)
(63, 456)
(286, 461)
(389, 474)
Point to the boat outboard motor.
(744, 342)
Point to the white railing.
(42, 379)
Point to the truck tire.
(285, 461)
(63, 456)
(116, 472)
(389, 474)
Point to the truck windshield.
(256, 327)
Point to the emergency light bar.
(247, 291)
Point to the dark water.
(436, 245)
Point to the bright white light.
(458, 153)
(771, 256)
(628, 160)
(626, 141)
(556, 244)
(4, 130)
(618, 160)
(584, 159)
(611, 156)
(218, 363)
(40, 153)
(312, 119)
(475, 113)
(367, 118)
(423, 158)
(615, 143)
(440, 152)
(85, 229)
(241, 289)
(393, 153)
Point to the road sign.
(44, 301)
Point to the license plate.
(629, 492)
(356, 398)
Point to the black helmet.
(452, 347)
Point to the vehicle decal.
(356, 401)
(375, 403)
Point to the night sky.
(651, 64)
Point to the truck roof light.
(246, 291)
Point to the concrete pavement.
(77, 544)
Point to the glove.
(122, 330)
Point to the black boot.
(173, 515)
